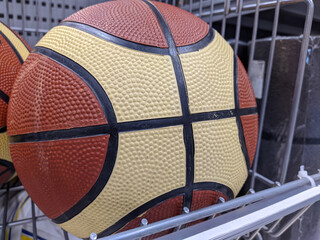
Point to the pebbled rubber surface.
(4, 147)
(218, 155)
(5, 176)
(250, 125)
(152, 158)
(130, 20)
(149, 163)
(185, 27)
(205, 198)
(139, 85)
(210, 79)
(13, 51)
(48, 96)
(202, 199)
(164, 210)
(245, 92)
(9, 68)
(20, 45)
(65, 169)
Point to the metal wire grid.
(33, 19)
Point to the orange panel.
(167, 209)
(173, 207)
(250, 131)
(130, 20)
(3, 113)
(22, 40)
(4, 177)
(9, 68)
(66, 170)
(246, 94)
(186, 28)
(48, 96)
(205, 198)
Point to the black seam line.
(158, 200)
(12, 47)
(112, 122)
(198, 45)
(85, 76)
(3, 172)
(9, 166)
(17, 35)
(111, 38)
(138, 46)
(127, 126)
(3, 129)
(6, 163)
(239, 123)
(4, 97)
(183, 93)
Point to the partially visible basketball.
(129, 110)
(13, 51)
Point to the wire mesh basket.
(249, 216)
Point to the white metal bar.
(266, 90)
(298, 88)
(228, 229)
(289, 223)
(254, 33)
(24, 221)
(224, 19)
(190, 6)
(34, 222)
(238, 26)
(214, 209)
(211, 12)
(248, 7)
(12, 189)
(5, 212)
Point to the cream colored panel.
(17, 43)
(218, 154)
(209, 77)
(140, 85)
(149, 163)
(4, 147)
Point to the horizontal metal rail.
(237, 223)
(247, 8)
(173, 222)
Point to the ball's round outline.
(4, 97)
(113, 128)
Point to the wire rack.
(246, 217)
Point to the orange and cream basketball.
(13, 51)
(130, 110)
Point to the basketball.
(13, 51)
(130, 110)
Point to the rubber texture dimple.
(9, 67)
(246, 94)
(5, 174)
(218, 155)
(164, 210)
(202, 199)
(149, 163)
(139, 85)
(130, 20)
(66, 170)
(209, 77)
(48, 96)
(185, 27)
(250, 131)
